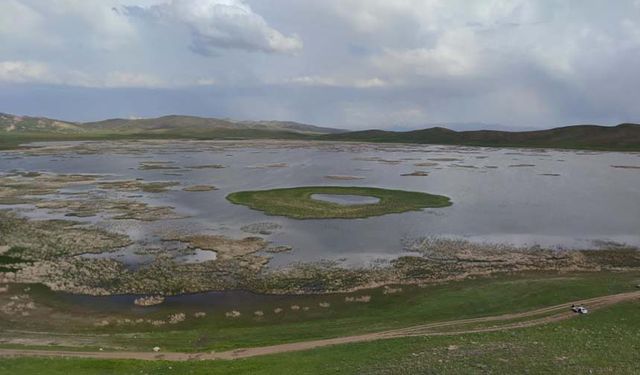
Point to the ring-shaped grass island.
(297, 202)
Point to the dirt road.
(454, 327)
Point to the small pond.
(345, 199)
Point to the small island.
(298, 203)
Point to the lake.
(552, 198)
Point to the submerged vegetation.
(297, 202)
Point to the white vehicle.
(579, 309)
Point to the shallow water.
(345, 199)
(552, 198)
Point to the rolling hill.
(15, 130)
(13, 124)
(162, 125)
(192, 124)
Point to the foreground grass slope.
(605, 342)
(413, 306)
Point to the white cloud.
(222, 24)
(456, 53)
(205, 82)
(25, 71)
(336, 82)
(129, 79)
(39, 72)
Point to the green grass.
(10, 141)
(297, 203)
(7, 262)
(604, 342)
(11, 257)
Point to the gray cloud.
(215, 24)
(365, 63)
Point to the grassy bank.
(604, 342)
(298, 204)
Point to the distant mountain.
(621, 137)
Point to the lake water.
(552, 198)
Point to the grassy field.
(297, 203)
(604, 342)
(11, 141)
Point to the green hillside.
(24, 124)
(192, 124)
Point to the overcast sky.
(343, 63)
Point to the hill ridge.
(622, 137)
(625, 136)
